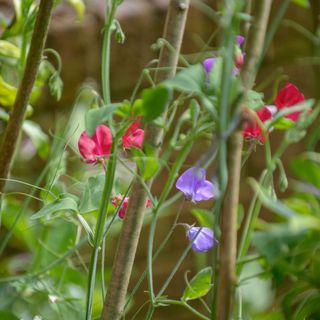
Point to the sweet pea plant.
(68, 224)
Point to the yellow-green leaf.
(8, 49)
(78, 6)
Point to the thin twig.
(132, 224)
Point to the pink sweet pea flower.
(116, 201)
(253, 130)
(287, 97)
(97, 147)
(133, 137)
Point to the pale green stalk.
(100, 226)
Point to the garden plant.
(112, 170)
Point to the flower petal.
(103, 139)
(287, 97)
(87, 148)
(188, 181)
(133, 137)
(204, 191)
(208, 64)
(204, 238)
(240, 40)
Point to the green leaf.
(189, 80)
(254, 100)
(8, 49)
(304, 106)
(38, 137)
(283, 124)
(79, 6)
(57, 240)
(147, 163)
(199, 285)
(306, 170)
(23, 230)
(56, 85)
(204, 217)
(5, 315)
(194, 109)
(215, 76)
(7, 94)
(94, 117)
(272, 204)
(154, 102)
(92, 194)
(4, 115)
(66, 203)
(276, 243)
(283, 180)
(301, 3)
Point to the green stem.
(168, 280)
(170, 181)
(105, 75)
(185, 305)
(255, 205)
(274, 26)
(103, 256)
(100, 226)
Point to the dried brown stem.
(18, 111)
(129, 237)
(228, 223)
(228, 244)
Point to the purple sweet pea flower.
(194, 185)
(240, 40)
(204, 239)
(208, 64)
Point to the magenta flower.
(133, 137)
(97, 147)
(194, 185)
(203, 239)
(116, 201)
(287, 97)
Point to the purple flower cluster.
(195, 187)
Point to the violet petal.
(204, 239)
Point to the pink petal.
(287, 97)
(87, 148)
(103, 139)
(133, 137)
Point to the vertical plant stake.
(228, 244)
(18, 112)
(129, 237)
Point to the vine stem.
(228, 243)
(109, 178)
(185, 305)
(14, 125)
(130, 233)
(107, 32)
